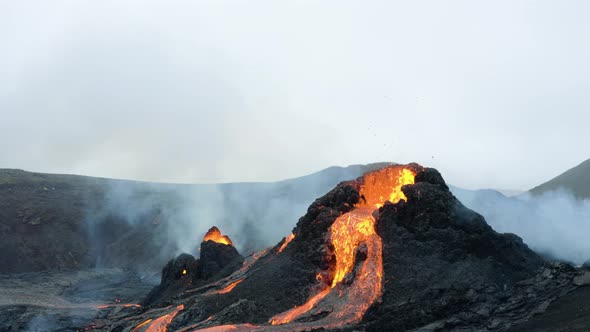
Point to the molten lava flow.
(350, 233)
(251, 260)
(215, 235)
(347, 232)
(358, 273)
(289, 315)
(228, 288)
(159, 324)
(248, 263)
(141, 325)
(287, 240)
(385, 185)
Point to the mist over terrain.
(555, 223)
(65, 221)
(255, 215)
(121, 233)
(61, 221)
(553, 218)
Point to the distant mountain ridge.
(15, 175)
(57, 221)
(575, 180)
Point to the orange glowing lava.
(385, 185)
(287, 240)
(348, 296)
(289, 315)
(141, 325)
(347, 234)
(161, 323)
(228, 288)
(215, 235)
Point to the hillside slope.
(52, 222)
(576, 180)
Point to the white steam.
(256, 215)
(554, 224)
(176, 217)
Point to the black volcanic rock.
(51, 222)
(312, 227)
(440, 257)
(218, 259)
(432, 176)
(444, 269)
(177, 275)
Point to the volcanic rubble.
(393, 250)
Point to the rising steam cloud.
(174, 218)
(554, 224)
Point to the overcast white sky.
(492, 93)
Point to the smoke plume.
(554, 224)
(146, 224)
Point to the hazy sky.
(492, 93)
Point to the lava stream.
(159, 324)
(287, 240)
(358, 251)
(287, 316)
(248, 263)
(347, 234)
(227, 288)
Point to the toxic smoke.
(554, 224)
